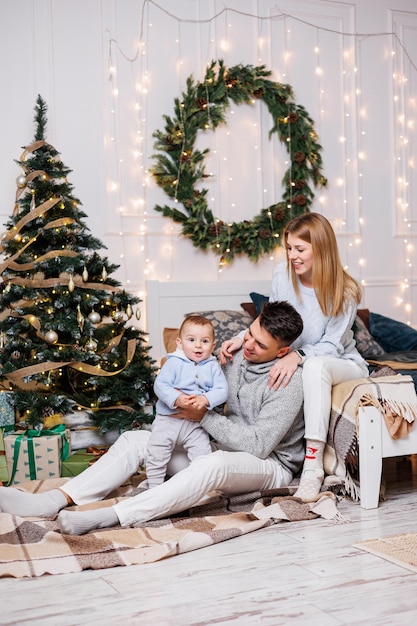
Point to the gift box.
(80, 460)
(7, 412)
(35, 454)
(4, 472)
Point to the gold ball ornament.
(51, 337)
(21, 181)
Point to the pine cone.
(202, 103)
(300, 199)
(265, 233)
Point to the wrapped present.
(4, 472)
(80, 460)
(85, 434)
(36, 454)
(7, 412)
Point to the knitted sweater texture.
(262, 421)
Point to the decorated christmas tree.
(67, 337)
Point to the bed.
(359, 435)
(168, 302)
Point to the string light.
(221, 37)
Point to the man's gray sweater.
(259, 420)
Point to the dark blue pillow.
(258, 300)
(392, 335)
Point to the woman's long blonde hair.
(333, 286)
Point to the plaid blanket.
(394, 396)
(31, 547)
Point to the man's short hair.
(281, 321)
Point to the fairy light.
(404, 170)
(352, 143)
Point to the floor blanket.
(31, 547)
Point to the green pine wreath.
(179, 167)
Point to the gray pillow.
(227, 324)
(365, 343)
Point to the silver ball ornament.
(94, 317)
(51, 337)
(21, 181)
(91, 345)
(118, 316)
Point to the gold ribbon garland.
(85, 368)
(16, 377)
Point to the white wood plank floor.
(302, 573)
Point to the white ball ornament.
(51, 337)
(118, 316)
(21, 181)
(91, 345)
(94, 317)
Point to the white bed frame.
(168, 302)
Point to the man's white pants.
(227, 472)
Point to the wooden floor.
(301, 573)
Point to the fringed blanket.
(32, 547)
(394, 396)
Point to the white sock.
(312, 476)
(314, 454)
(81, 522)
(26, 504)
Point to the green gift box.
(36, 454)
(78, 462)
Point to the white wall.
(365, 93)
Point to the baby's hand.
(183, 401)
(199, 402)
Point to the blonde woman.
(326, 296)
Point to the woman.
(326, 296)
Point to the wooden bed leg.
(370, 456)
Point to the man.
(258, 443)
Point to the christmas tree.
(65, 340)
